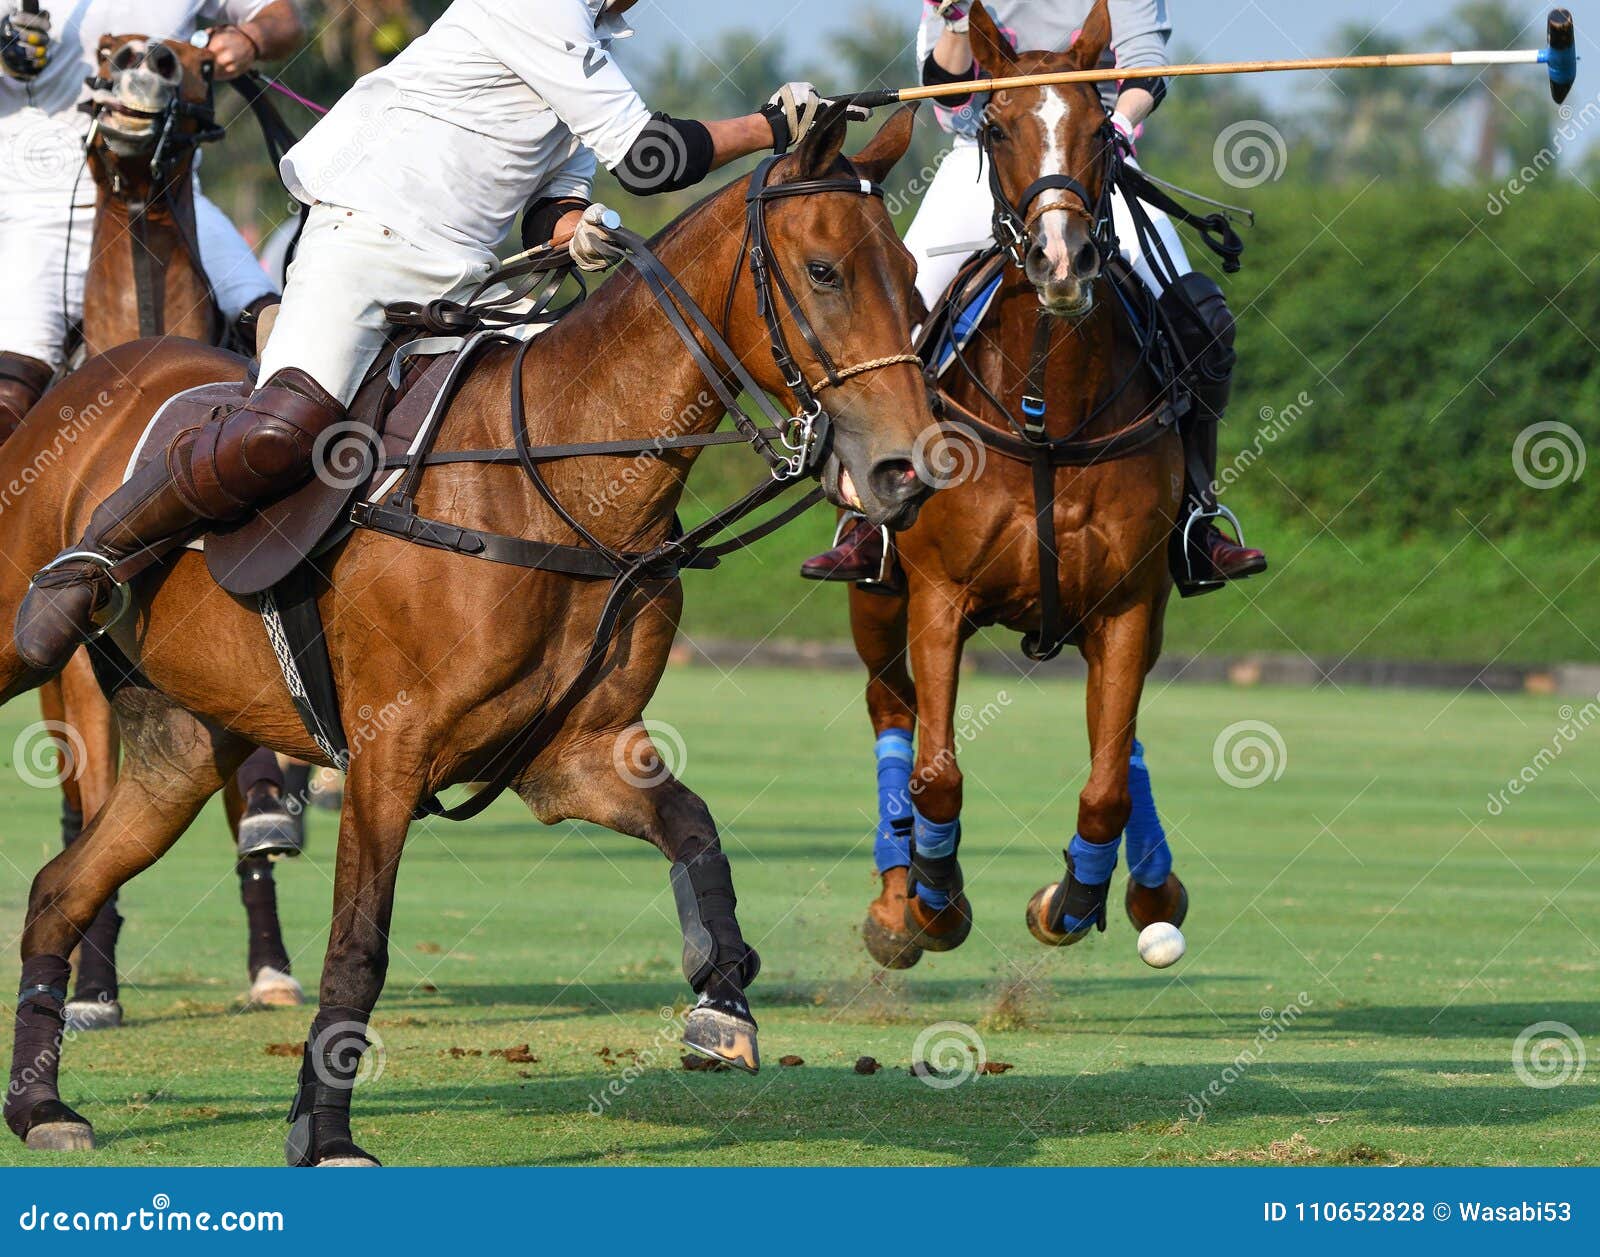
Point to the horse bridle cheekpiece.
(805, 435)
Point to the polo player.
(47, 200)
(412, 180)
(959, 210)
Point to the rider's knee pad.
(1205, 325)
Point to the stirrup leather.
(122, 595)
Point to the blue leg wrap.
(1093, 863)
(935, 839)
(1149, 856)
(892, 850)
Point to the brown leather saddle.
(352, 460)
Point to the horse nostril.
(163, 61)
(1086, 262)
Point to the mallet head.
(1562, 55)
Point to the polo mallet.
(1560, 57)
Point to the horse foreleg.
(938, 916)
(378, 802)
(878, 624)
(87, 734)
(622, 783)
(175, 763)
(1117, 651)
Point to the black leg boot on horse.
(214, 474)
(96, 1003)
(1204, 557)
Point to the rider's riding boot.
(1210, 556)
(857, 553)
(212, 474)
(250, 330)
(23, 381)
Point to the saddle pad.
(973, 305)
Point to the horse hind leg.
(175, 762)
(1154, 891)
(622, 783)
(272, 985)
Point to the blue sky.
(1219, 29)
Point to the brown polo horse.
(479, 649)
(974, 557)
(152, 101)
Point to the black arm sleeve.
(935, 75)
(1156, 87)
(542, 214)
(670, 154)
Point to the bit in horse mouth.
(1074, 310)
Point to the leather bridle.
(1014, 221)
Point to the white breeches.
(47, 200)
(349, 266)
(959, 210)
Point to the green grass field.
(1368, 885)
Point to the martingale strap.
(791, 445)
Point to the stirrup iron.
(123, 595)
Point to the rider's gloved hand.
(794, 110)
(954, 13)
(592, 247)
(1128, 130)
(25, 44)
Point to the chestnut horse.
(1016, 524)
(152, 109)
(482, 651)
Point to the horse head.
(1046, 151)
(151, 102)
(842, 287)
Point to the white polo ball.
(1161, 945)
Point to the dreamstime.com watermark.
(1250, 153)
(1574, 122)
(947, 1054)
(1548, 1054)
(1275, 422)
(160, 1217)
(1574, 723)
(974, 721)
(1548, 455)
(1275, 1022)
(74, 424)
(1249, 753)
(680, 423)
(666, 1042)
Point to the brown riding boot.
(857, 555)
(212, 474)
(23, 381)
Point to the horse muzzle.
(890, 493)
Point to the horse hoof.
(882, 931)
(273, 988)
(92, 1014)
(1038, 911)
(893, 949)
(1165, 903)
(53, 1127)
(723, 1035)
(942, 929)
(270, 833)
(61, 1137)
(349, 1163)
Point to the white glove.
(592, 247)
(954, 13)
(792, 111)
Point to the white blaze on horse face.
(1053, 114)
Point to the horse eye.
(823, 275)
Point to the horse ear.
(992, 49)
(823, 143)
(1094, 38)
(888, 146)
